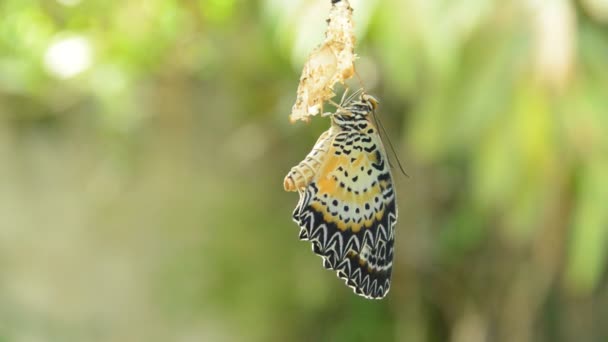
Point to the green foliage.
(143, 146)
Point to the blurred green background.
(143, 145)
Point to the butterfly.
(347, 207)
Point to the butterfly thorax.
(355, 117)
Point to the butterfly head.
(370, 101)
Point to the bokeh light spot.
(69, 3)
(68, 57)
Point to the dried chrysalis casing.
(330, 63)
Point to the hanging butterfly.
(347, 203)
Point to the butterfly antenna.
(390, 144)
(376, 122)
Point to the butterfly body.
(347, 203)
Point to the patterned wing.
(348, 212)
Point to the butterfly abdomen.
(302, 174)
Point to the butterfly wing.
(348, 212)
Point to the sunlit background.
(143, 145)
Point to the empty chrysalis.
(330, 63)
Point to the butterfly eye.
(372, 100)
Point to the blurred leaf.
(587, 256)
